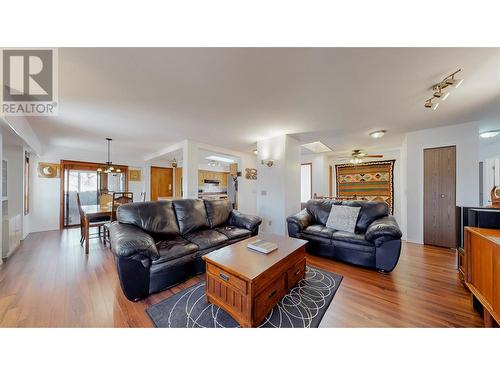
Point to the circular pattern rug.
(303, 307)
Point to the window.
(305, 182)
(26, 190)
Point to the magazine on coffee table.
(262, 246)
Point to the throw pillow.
(343, 218)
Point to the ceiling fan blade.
(373, 156)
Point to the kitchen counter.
(212, 195)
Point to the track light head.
(441, 95)
(455, 83)
(431, 105)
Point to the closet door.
(440, 196)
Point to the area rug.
(372, 181)
(304, 306)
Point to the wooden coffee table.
(248, 284)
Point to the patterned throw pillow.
(343, 218)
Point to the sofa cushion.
(174, 248)
(343, 218)
(319, 230)
(370, 211)
(218, 211)
(353, 238)
(155, 218)
(320, 209)
(233, 232)
(191, 215)
(206, 238)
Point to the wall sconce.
(269, 162)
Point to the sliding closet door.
(440, 196)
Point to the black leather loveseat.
(376, 242)
(160, 244)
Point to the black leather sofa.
(160, 244)
(376, 242)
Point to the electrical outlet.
(263, 192)
(269, 223)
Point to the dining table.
(90, 212)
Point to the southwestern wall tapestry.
(372, 181)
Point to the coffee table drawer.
(296, 273)
(265, 301)
(228, 277)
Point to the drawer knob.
(297, 272)
(224, 277)
(272, 293)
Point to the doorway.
(440, 196)
(83, 178)
(161, 182)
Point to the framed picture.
(134, 175)
(250, 173)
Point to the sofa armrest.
(298, 222)
(383, 229)
(128, 240)
(250, 222)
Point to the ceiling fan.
(358, 156)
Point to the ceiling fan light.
(378, 133)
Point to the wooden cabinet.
(212, 175)
(482, 270)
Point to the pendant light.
(109, 168)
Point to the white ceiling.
(148, 98)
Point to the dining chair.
(118, 199)
(96, 222)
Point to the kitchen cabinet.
(212, 175)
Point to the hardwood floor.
(49, 282)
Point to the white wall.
(320, 173)
(489, 148)
(15, 158)
(1, 179)
(465, 138)
(278, 186)
(45, 192)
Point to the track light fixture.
(439, 89)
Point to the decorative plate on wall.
(48, 170)
(134, 175)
